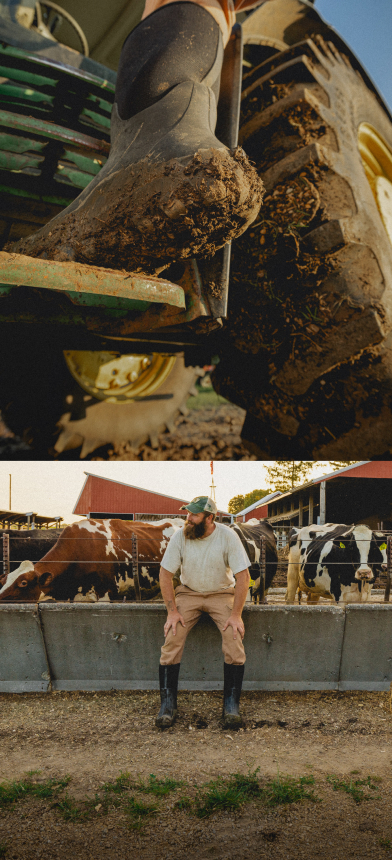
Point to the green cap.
(200, 504)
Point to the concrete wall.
(23, 663)
(78, 646)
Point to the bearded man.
(214, 579)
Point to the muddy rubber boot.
(169, 189)
(233, 676)
(168, 683)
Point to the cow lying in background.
(335, 561)
(92, 560)
(251, 534)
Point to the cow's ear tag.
(342, 545)
(383, 546)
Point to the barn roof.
(132, 487)
(330, 475)
(259, 503)
(26, 519)
(123, 484)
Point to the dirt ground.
(93, 737)
(210, 430)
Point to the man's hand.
(241, 589)
(236, 622)
(173, 615)
(173, 618)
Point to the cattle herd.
(93, 560)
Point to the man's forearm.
(240, 591)
(166, 583)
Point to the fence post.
(262, 568)
(389, 569)
(6, 555)
(135, 567)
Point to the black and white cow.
(251, 535)
(335, 561)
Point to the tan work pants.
(224, 11)
(190, 605)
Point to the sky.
(52, 488)
(366, 25)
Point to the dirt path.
(93, 737)
(210, 430)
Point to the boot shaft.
(177, 43)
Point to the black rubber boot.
(168, 683)
(169, 189)
(233, 676)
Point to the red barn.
(103, 498)
(258, 510)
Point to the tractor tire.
(73, 420)
(307, 348)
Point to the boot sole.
(232, 721)
(165, 721)
(153, 213)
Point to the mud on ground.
(207, 432)
(94, 736)
(210, 431)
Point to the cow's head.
(379, 552)
(362, 550)
(21, 584)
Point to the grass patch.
(217, 797)
(73, 810)
(384, 842)
(353, 787)
(227, 793)
(122, 783)
(138, 812)
(10, 792)
(158, 787)
(3, 849)
(70, 810)
(287, 789)
(222, 794)
(183, 803)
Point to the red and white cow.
(92, 560)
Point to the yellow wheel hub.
(377, 161)
(118, 378)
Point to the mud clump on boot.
(149, 214)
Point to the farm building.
(104, 498)
(29, 520)
(356, 494)
(259, 509)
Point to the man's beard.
(192, 532)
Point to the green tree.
(238, 503)
(286, 474)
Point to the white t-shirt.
(207, 564)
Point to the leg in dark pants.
(168, 683)
(233, 676)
